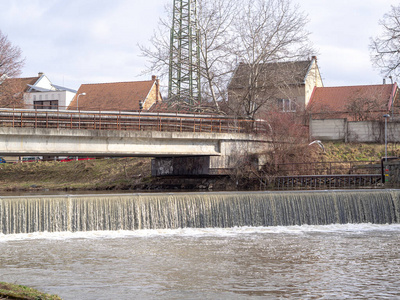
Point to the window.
(287, 105)
(51, 104)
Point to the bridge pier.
(192, 165)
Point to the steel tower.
(184, 63)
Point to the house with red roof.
(355, 103)
(354, 113)
(118, 96)
(38, 92)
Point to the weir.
(196, 210)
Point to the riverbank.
(99, 175)
(20, 292)
(135, 173)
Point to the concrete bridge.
(210, 147)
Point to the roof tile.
(112, 96)
(338, 99)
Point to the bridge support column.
(176, 166)
(193, 165)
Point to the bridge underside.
(209, 151)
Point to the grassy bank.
(99, 174)
(20, 292)
(135, 173)
(358, 152)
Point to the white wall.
(332, 129)
(342, 130)
(63, 97)
(313, 80)
(68, 97)
(44, 82)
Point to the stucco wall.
(343, 130)
(151, 98)
(313, 80)
(63, 97)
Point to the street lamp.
(386, 117)
(77, 100)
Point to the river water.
(348, 261)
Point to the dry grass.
(75, 175)
(134, 173)
(357, 152)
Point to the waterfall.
(197, 210)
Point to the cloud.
(89, 41)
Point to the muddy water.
(353, 261)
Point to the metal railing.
(118, 120)
(329, 168)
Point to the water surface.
(353, 261)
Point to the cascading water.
(196, 210)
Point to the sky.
(93, 41)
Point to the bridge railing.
(136, 121)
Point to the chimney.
(314, 58)
(153, 77)
(40, 74)
(384, 80)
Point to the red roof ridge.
(359, 85)
(98, 83)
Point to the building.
(118, 96)
(286, 86)
(39, 93)
(355, 113)
(355, 103)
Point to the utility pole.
(184, 62)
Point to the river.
(332, 261)
(353, 261)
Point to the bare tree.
(385, 48)
(232, 31)
(214, 21)
(268, 32)
(11, 94)
(365, 108)
(11, 64)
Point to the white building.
(42, 94)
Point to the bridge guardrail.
(136, 121)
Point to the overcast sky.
(92, 41)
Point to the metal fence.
(329, 168)
(138, 121)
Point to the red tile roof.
(113, 96)
(22, 83)
(340, 99)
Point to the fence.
(354, 131)
(138, 121)
(329, 168)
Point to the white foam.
(199, 232)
